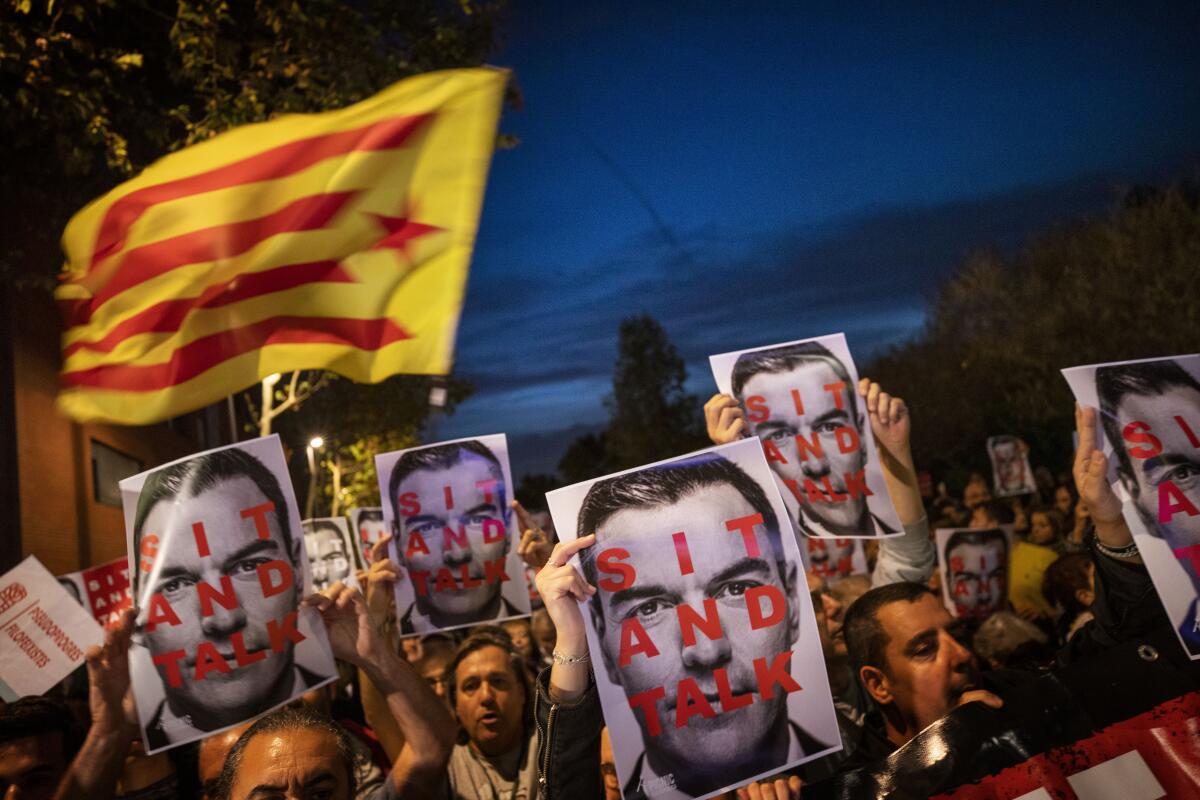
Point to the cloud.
(539, 341)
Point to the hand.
(379, 580)
(352, 635)
(778, 789)
(1091, 472)
(110, 696)
(980, 696)
(890, 421)
(724, 419)
(562, 589)
(535, 545)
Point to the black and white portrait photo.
(800, 400)
(448, 508)
(706, 652)
(220, 571)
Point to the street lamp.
(314, 444)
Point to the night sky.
(748, 177)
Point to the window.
(108, 468)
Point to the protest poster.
(45, 632)
(369, 527)
(1149, 421)
(1011, 473)
(331, 552)
(456, 536)
(103, 590)
(974, 564)
(706, 653)
(801, 401)
(835, 558)
(219, 568)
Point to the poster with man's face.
(974, 564)
(1149, 419)
(454, 535)
(330, 549)
(369, 527)
(218, 563)
(705, 648)
(801, 401)
(835, 558)
(1011, 473)
(103, 589)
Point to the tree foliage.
(358, 422)
(651, 416)
(1000, 330)
(90, 93)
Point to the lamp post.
(314, 444)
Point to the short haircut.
(199, 474)
(288, 718)
(439, 457)
(490, 636)
(1115, 382)
(979, 537)
(782, 359)
(370, 515)
(322, 525)
(1063, 579)
(37, 716)
(866, 640)
(666, 485)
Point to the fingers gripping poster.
(704, 645)
(448, 506)
(801, 401)
(1148, 421)
(218, 564)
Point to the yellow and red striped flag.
(336, 241)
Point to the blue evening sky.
(749, 173)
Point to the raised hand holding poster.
(219, 569)
(801, 401)
(705, 648)
(1148, 420)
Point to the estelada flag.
(336, 241)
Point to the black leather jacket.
(568, 743)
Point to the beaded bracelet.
(559, 658)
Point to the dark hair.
(318, 525)
(288, 718)
(196, 475)
(1149, 378)
(439, 457)
(37, 716)
(975, 536)
(1000, 510)
(667, 484)
(782, 359)
(866, 640)
(1057, 521)
(1066, 576)
(490, 636)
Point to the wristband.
(559, 658)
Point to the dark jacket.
(568, 743)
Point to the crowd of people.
(509, 711)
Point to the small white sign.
(44, 632)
